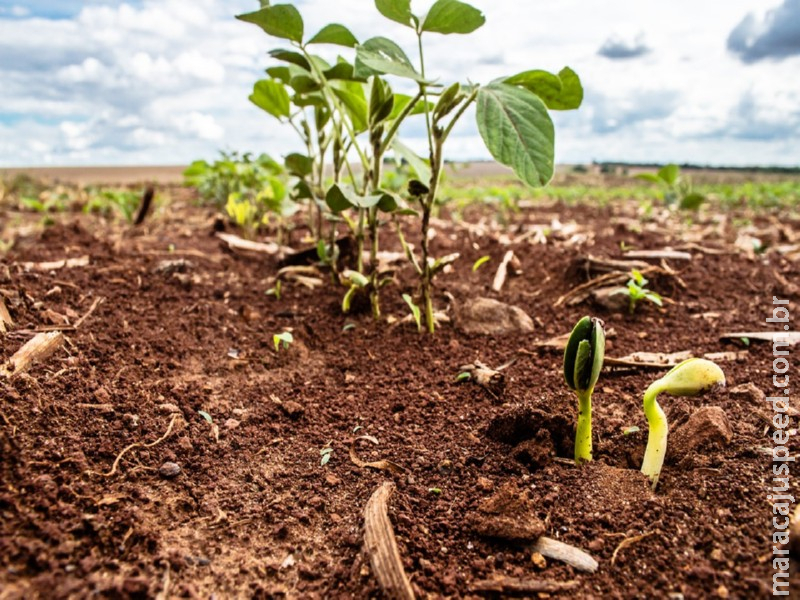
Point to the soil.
(251, 511)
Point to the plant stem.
(657, 434)
(583, 432)
(360, 240)
(374, 295)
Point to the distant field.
(173, 174)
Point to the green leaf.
(281, 20)
(480, 262)
(414, 311)
(583, 370)
(669, 174)
(281, 73)
(388, 203)
(299, 164)
(463, 377)
(452, 16)
(205, 415)
(282, 340)
(400, 103)
(355, 104)
(649, 177)
(581, 331)
(341, 70)
(355, 278)
(291, 57)
(304, 84)
(418, 165)
(382, 55)
(448, 100)
(271, 96)
(341, 197)
(335, 34)
(517, 131)
(398, 11)
(559, 92)
(348, 298)
(692, 201)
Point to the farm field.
(171, 446)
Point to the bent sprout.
(692, 377)
(583, 360)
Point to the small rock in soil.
(168, 267)
(484, 316)
(747, 392)
(231, 424)
(167, 409)
(169, 470)
(707, 428)
(614, 298)
(485, 484)
(131, 421)
(293, 409)
(538, 560)
(509, 514)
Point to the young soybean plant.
(692, 377)
(583, 360)
(512, 112)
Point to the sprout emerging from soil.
(583, 360)
(692, 377)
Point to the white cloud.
(168, 80)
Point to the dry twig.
(136, 445)
(629, 542)
(380, 546)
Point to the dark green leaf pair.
(445, 16)
(343, 197)
(583, 357)
(284, 21)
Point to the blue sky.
(166, 81)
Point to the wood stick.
(380, 546)
(512, 585)
(67, 263)
(502, 272)
(5, 318)
(38, 349)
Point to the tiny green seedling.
(275, 290)
(463, 377)
(692, 377)
(480, 262)
(415, 311)
(205, 415)
(677, 189)
(282, 340)
(325, 453)
(637, 291)
(583, 360)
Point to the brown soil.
(253, 513)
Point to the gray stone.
(484, 316)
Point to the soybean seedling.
(692, 377)
(583, 360)
(637, 291)
(282, 340)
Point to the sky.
(148, 82)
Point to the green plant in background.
(692, 377)
(350, 108)
(108, 201)
(677, 189)
(583, 360)
(636, 290)
(415, 312)
(512, 112)
(282, 341)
